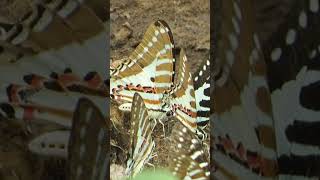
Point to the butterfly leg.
(153, 166)
(113, 143)
(163, 129)
(114, 125)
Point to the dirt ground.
(129, 19)
(188, 19)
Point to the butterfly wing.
(293, 77)
(184, 102)
(148, 70)
(142, 143)
(50, 47)
(88, 150)
(53, 143)
(188, 156)
(243, 134)
(202, 93)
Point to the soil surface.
(189, 21)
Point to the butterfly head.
(170, 113)
(166, 102)
(201, 134)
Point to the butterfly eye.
(169, 113)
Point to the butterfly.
(190, 103)
(49, 60)
(45, 57)
(155, 60)
(141, 144)
(293, 48)
(88, 148)
(259, 77)
(85, 146)
(148, 70)
(187, 157)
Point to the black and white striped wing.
(202, 93)
(292, 58)
(88, 151)
(265, 104)
(142, 143)
(187, 156)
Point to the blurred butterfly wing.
(53, 37)
(292, 58)
(188, 155)
(89, 143)
(52, 143)
(45, 32)
(142, 143)
(243, 135)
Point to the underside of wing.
(52, 56)
(188, 156)
(183, 101)
(148, 70)
(243, 132)
(142, 143)
(45, 65)
(88, 149)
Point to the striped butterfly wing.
(188, 158)
(183, 101)
(148, 70)
(141, 144)
(49, 50)
(88, 150)
(44, 27)
(243, 134)
(292, 58)
(58, 38)
(202, 93)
